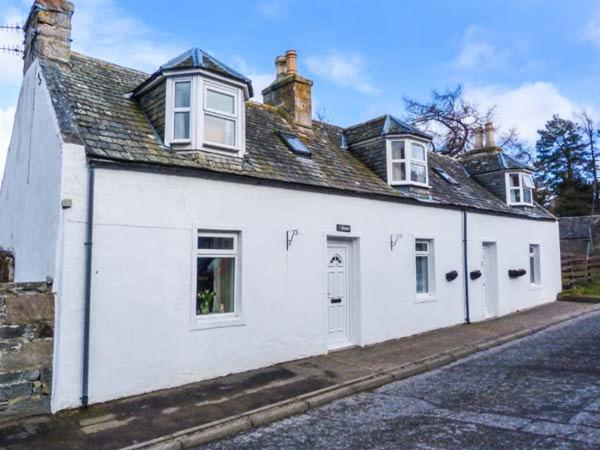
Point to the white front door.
(489, 280)
(338, 265)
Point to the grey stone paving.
(541, 392)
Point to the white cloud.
(476, 52)
(345, 69)
(526, 107)
(102, 29)
(6, 120)
(591, 31)
(260, 80)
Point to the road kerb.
(214, 433)
(407, 371)
(330, 396)
(437, 361)
(372, 383)
(273, 414)
(300, 404)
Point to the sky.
(529, 58)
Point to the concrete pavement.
(198, 413)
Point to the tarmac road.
(541, 392)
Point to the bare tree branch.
(450, 118)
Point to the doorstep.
(191, 415)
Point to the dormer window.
(407, 162)
(204, 114)
(519, 188)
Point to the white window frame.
(408, 161)
(220, 319)
(199, 108)
(235, 117)
(537, 264)
(170, 116)
(431, 278)
(521, 189)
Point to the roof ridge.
(516, 161)
(367, 121)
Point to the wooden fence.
(580, 270)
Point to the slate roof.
(491, 160)
(380, 126)
(196, 58)
(577, 227)
(93, 109)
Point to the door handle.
(336, 300)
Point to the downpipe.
(466, 267)
(88, 287)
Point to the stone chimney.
(290, 91)
(478, 138)
(489, 135)
(48, 31)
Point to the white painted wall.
(144, 232)
(512, 237)
(30, 193)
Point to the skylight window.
(294, 144)
(445, 175)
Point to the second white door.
(490, 280)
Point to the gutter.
(88, 287)
(466, 268)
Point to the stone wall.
(26, 344)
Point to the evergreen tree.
(562, 166)
(574, 199)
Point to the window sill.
(535, 287)
(222, 147)
(519, 204)
(427, 298)
(410, 183)
(205, 323)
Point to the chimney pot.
(290, 58)
(280, 67)
(478, 137)
(489, 135)
(48, 31)
(290, 91)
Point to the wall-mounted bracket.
(394, 240)
(290, 235)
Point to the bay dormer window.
(519, 188)
(407, 162)
(204, 114)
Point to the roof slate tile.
(93, 109)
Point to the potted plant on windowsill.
(206, 298)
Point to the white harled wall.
(30, 193)
(142, 276)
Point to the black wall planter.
(516, 273)
(451, 276)
(475, 274)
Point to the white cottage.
(191, 232)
